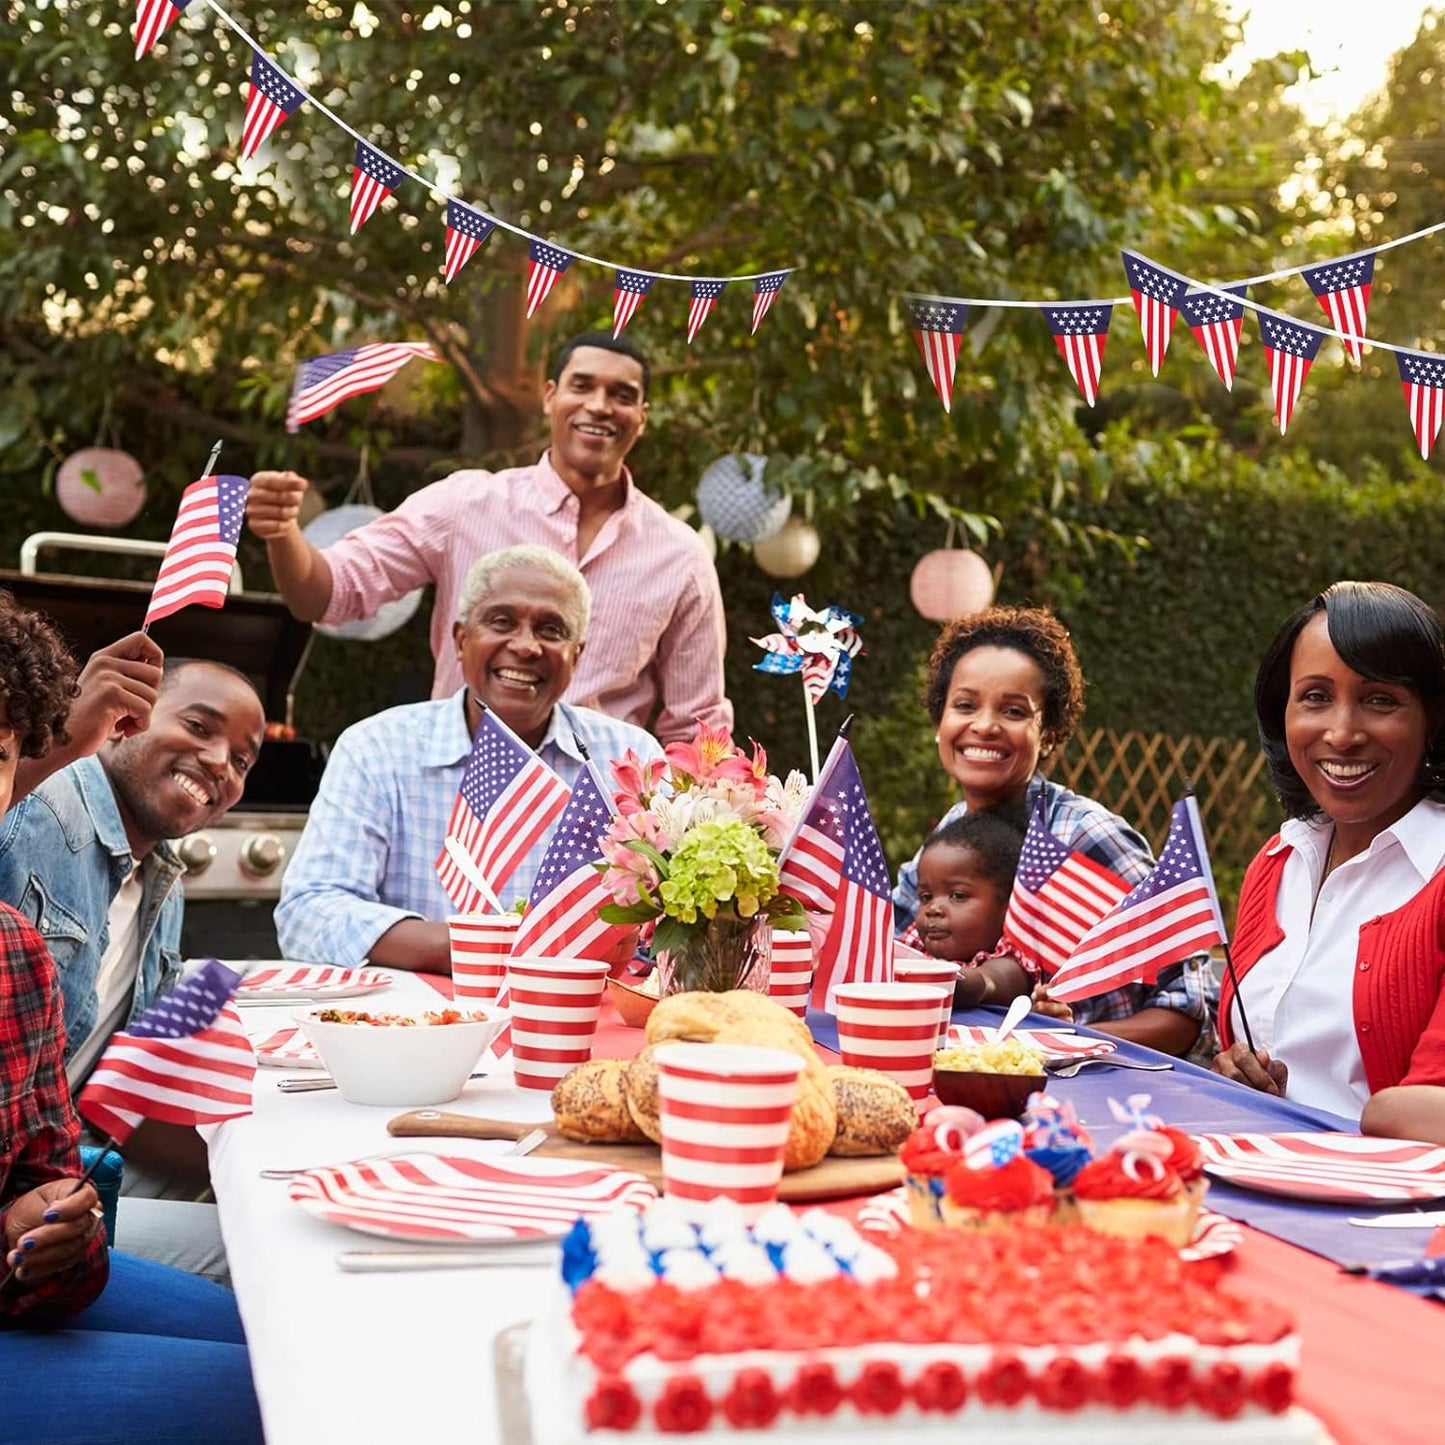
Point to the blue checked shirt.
(366, 858)
(1090, 828)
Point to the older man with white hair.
(362, 883)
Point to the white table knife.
(1428, 1219)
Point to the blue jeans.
(158, 1359)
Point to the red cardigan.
(1399, 993)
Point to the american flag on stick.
(1081, 333)
(1422, 374)
(185, 1061)
(561, 919)
(1171, 915)
(199, 557)
(544, 265)
(704, 297)
(628, 289)
(1058, 896)
(374, 176)
(467, 228)
(1157, 296)
(834, 865)
(508, 799)
(1216, 322)
(938, 330)
(1290, 350)
(1343, 289)
(273, 96)
(323, 382)
(765, 292)
(152, 19)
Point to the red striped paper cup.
(480, 945)
(554, 1004)
(724, 1112)
(939, 973)
(892, 1027)
(790, 978)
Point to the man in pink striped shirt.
(658, 630)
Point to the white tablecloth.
(354, 1358)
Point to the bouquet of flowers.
(694, 847)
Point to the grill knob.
(197, 852)
(262, 854)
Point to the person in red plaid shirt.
(87, 1336)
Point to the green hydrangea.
(719, 862)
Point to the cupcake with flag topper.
(1184, 1158)
(1132, 1191)
(1055, 1140)
(994, 1186)
(928, 1153)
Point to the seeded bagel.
(590, 1104)
(875, 1114)
(639, 1085)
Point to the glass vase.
(730, 952)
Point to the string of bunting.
(273, 97)
(1215, 317)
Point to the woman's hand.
(50, 1229)
(1253, 1067)
(1050, 1007)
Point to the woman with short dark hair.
(1339, 943)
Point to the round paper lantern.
(100, 487)
(737, 504)
(951, 583)
(791, 552)
(330, 527)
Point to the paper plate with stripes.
(287, 1048)
(439, 1199)
(1334, 1168)
(298, 982)
(1059, 1045)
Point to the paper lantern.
(330, 527)
(951, 583)
(100, 487)
(791, 552)
(737, 504)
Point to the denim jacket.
(63, 858)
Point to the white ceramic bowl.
(398, 1066)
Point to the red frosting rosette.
(1135, 1168)
(993, 1174)
(937, 1144)
(1184, 1157)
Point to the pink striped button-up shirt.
(657, 617)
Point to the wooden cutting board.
(832, 1179)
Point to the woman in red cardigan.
(1339, 943)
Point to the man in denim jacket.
(85, 858)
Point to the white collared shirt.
(1299, 995)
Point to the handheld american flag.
(704, 297)
(938, 330)
(1157, 294)
(273, 96)
(765, 292)
(1058, 895)
(152, 19)
(834, 864)
(544, 265)
(197, 564)
(1423, 377)
(1343, 289)
(628, 289)
(1171, 915)
(1081, 333)
(508, 798)
(185, 1061)
(561, 919)
(1290, 350)
(323, 382)
(1216, 322)
(466, 230)
(373, 177)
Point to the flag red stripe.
(262, 117)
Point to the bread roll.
(639, 1086)
(590, 1104)
(875, 1114)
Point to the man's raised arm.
(303, 575)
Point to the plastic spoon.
(1016, 1010)
(469, 870)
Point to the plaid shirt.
(367, 857)
(1091, 829)
(38, 1127)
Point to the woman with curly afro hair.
(38, 675)
(1004, 692)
